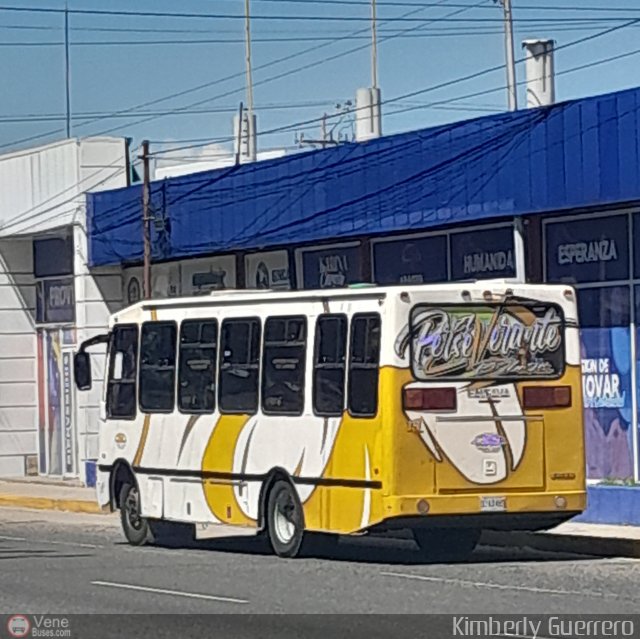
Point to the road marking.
(482, 584)
(47, 541)
(163, 591)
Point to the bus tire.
(446, 544)
(136, 528)
(285, 521)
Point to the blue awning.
(576, 154)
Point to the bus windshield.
(487, 341)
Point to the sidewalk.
(46, 494)
(579, 538)
(600, 540)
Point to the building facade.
(549, 194)
(49, 301)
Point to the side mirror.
(82, 370)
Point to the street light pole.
(67, 63)
(374, 46)
(250, 124)
(509, 55)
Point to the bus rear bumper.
(507, 511)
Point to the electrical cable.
(194, 89)
(240, 16)
(302, 67)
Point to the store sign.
(482, 254)
(67, 412)
(267, 270)
(601, 384)
(55, 301)
(410, 260)
(332, 267)
(608, 406)
(165, 282)
(200, 277)
(588, 250)
(53, 257)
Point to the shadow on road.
(365, 549)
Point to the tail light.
(429, 398)
(546, 396)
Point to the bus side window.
(157, 367)
(283, 365)
(329, 365)
(239, 366)
(121, 383)
(197, 367)
(364, 364)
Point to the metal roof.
(576, 154)
(42, 188)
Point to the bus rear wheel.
(136, 528)
(285, 521)
(446, 544)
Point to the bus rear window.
(516, 340)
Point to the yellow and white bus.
(444, 409)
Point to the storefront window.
(482, 254)
(411, 260)
(588, 250)
(606, 378)
(331, 267)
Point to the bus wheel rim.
(132, 507)
(283, 513)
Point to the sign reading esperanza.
(588, 250)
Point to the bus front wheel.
(446, 544)
(285, 522)
(136, 528)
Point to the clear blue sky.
(108, 78)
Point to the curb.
(45, 503)
(574, 544)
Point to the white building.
(215, 158)
(49, 301)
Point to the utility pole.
(374, 46)
(67, 62)
(509, 55)
(250, 125)
(239, 134)
(146, 221)
(323, 130)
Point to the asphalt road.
(58, 563)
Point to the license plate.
(493, 504)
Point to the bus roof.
(243, 296)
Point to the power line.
(200, 87)
(399, 4)
(34, 212)
(186, 108)
(273, 17)
(311, 33)
(309, 65)
(195, 42)
(411, 94)
(52, 117)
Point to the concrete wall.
(18, 376)
(42, 191)
(98, 294)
